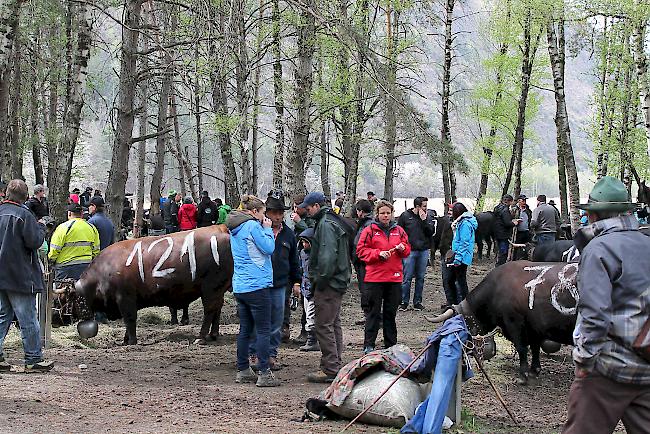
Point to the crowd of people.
(274, 265)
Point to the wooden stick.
(480, 365)
(388, 388)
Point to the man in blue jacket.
(101, 222)
(22, 277)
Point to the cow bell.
(88, 328)
(489, 348)
(551, 347)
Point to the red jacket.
(373, 239)
(187, 216)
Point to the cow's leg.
(212, 300)
(515, 332)
(216, 318)
(479, 245)
(129, 312)
(535, 364)
(174, 316)
(185, 319)
(488, 243)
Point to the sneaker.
(403, 307)
(246, 376)
(4, 366)
(418, 306)
(301, 338)
(267, 379)
(320, 377)
(39, 367)
(311, 344)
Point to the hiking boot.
(301, 338)
(286, 334)
(320, 377)
(4, 366)
(418, 307)
(41, 366)
(274, 365)
(311, 344)
(360, 321)
(253, 362)
(367, 350)
(246, 376)
(403, 307)
(267, 379)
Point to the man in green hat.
(612, 377)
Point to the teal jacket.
(463, 242)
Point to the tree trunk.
(304, 76)
(256, 101)
(641, 62)
(528, 59)
(197, 120)
(36, 138)
(16, 153)
(601, 165)
(59, 189)
(143, 121)
(220, 107)
(278, 158)
(390, 115)
(449, 180)
(324, 160)
(242, 73)
(161, 140)
(9, 14)
(50, 120)
(125, 113)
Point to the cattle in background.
(557, 251)
(530, 301)
(170, 270)
(484, 231)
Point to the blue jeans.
(415, 265)
(278, 296)
(547, 237)
(24, 306)
(254, 309)
(502, 254)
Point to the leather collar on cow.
(465, 309)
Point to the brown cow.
(168, 270)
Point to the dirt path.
(166, 384)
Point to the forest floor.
(166, 384)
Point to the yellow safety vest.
(74, 242)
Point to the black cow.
(530, 301)
(557, 251)
(484, 231)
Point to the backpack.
(349, 231)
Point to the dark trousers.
(502, 253)
(328, 330)
(456, 288)
(381, 302)
(523, 237)
(596, 404)
(254, 309)
(444, 274)
(286, 320)
(361, 275)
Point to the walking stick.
(496, 391)
(511, 248)
(388, 388)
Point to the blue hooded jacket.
(463, 242)
(252, 246)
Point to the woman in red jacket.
(382, 246)
(187, 215)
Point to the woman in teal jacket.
(464, 225)
(252, 244)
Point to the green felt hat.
(609, 194)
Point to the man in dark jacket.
(299, 216)
(37, 204)
(503, 225)
(101, 222)
(612, 379)
(170, 211)
(545, 221)
(286, 273)
(22, 278)
(84, 198)
(208, 213)
(329, 274)
(364, 208)
(420, 232)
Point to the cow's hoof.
(200, 341)
(522, 381)
(211, 338)
(185, 321)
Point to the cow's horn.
(441, 318)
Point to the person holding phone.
(252, 243)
